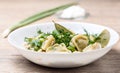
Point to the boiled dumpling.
(58, 48)
(80, 42)
(103, 38)
(92, 47)
(50, 40)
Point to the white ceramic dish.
(61, 60)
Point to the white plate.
(61, 60)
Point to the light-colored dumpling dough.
(80, 42)
(92, 47)
(50, 40)
(58, 48)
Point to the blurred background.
(104, 12)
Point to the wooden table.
(103, 12)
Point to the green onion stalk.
(34, 18)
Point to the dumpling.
(103, 38)
(92, 47)
(50, 40)
(58, 48)
(80, 42)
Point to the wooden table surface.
(102, 12)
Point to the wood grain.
(102, 12)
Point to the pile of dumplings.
(79, 42)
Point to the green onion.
(34, 18)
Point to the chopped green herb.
(71, 48)
(62, 37)
(28, 39)
(39, 31)
(94, 37)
